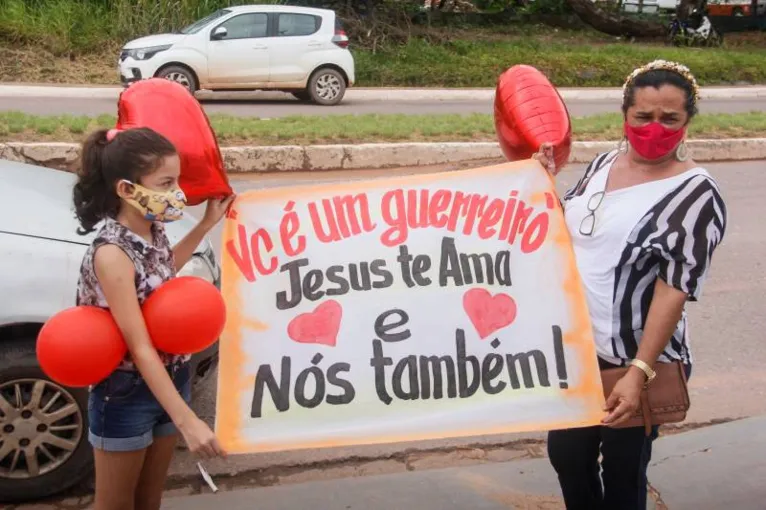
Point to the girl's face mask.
(653, 141)
(163, 206)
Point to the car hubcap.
(328, 87)
(179, 78)
(42, 426)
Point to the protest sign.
(409, 308)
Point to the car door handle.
(315, 43)
(260, 47)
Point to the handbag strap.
(646, 412)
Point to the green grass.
(567, 64)
(15, 126)
(76, 41)
(64, 26)
(456, 64)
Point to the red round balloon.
(528, 112)
(80, 346)
(185, 315)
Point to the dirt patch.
(36, 65)
(510, 498)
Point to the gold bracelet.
(645, 368)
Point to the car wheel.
(301, 95)
(327, 87)
(44, 447)
(181, 75)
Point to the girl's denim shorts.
(125, 416)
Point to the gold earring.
(682, 151)
(623, 145)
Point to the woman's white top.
(667, 228)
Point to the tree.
(615, 24)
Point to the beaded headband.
(665, 65)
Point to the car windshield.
(199, 25)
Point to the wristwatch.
(646, 369)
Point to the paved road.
(278, 105)
(708, 469)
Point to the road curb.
(291, 158)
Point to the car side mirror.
(219, 33)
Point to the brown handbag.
(665, 400)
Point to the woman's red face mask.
(653, 141)
(656, 123)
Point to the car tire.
(180, 74)
(327, 87)
(21, 374)
(301, 95)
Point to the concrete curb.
(289, 158)
(372, 93)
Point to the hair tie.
(111, 134)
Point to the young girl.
(129, 180)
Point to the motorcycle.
(697, 30)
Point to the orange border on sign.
(232, 357)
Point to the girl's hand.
(545, 156)
(625, 398)
(201, 440)
(216, 209)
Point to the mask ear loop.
(131, 184)
(128, 183)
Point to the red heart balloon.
(528, 112)
(168, 108)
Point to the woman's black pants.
(626, 452)
(574, 454)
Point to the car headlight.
(146, 53)
(199, 265)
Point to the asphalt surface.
(278, 105)
(706, 469)
(709, 469)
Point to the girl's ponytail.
(93, 199)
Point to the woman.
(129, 181)
(644, 221)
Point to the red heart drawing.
(318, 327)
(488, 313)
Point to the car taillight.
(340, 38)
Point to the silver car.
(43, 446)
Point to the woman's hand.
(216, 209)
(200, 439)
(625, 397)
(545, 156)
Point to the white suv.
(43, 425)
(255, 47)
